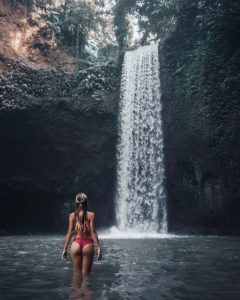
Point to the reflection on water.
(169, 268)
(81, 288)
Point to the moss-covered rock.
(55, 142)
(200, 83)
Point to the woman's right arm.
(68, 236)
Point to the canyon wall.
(201, 88)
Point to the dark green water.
(171, 268)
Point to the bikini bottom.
(83, 241)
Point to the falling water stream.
(140, 197)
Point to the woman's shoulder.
(90, 214)
(72, 215)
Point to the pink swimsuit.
(83, 241)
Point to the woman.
(81, 225)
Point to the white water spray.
(140, 197)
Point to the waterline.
(115, 233)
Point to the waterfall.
(140, 197)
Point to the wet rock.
(200, 85)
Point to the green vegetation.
(84, 29)
(96, 33)
(72, 24)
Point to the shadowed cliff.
(200, 78)
(55, 142)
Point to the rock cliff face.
(200, 83)
(55, 142)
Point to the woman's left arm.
(95, 236)
(68, 236)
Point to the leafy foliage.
(72, 23)
(94, 80)
(121, 23)
(156, 18)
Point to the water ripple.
(174, 268)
